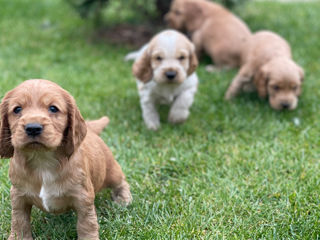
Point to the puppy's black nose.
(285, 105)
(171, 75)
(33, 129)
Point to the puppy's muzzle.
(285, 105)
(171, 75)
(33, 129)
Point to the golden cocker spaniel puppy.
(213, 29)
(269, 68)
(58, 161)
(165, 73)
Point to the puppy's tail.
(98, 125)
(131, 56)
(136, 54)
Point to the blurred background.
(129, 21)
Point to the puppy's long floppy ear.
(76, 127)
(141, 68)
(6, 148)
(301, 73)
(193, 61)
(193, 15)
(261, 81)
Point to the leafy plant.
(149, 9)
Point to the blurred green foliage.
(140, 9)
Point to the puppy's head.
(38, 115)
(280, 80)
(169, 58)
(184, 14)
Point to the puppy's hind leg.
(116, 180)
(121, 193)
(197, 41)
(244, 76)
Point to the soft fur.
(61, 168)
(269, 69)
(213, 29)
(167, 53)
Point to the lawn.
(235, 170)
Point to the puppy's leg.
(244, 76)
(197, 41)
(116, 180)
(87, 223)
(20, 217)
(121, 193)
(179, 110)
(150, 115)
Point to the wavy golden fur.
(58, 161)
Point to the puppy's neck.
(39, 160)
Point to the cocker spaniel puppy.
(58, 161)
(269, 69)
(165, 73)
(213, 29)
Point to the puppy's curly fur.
(58, 161)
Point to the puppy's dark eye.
(294, 88)
(159, 58)
(276, 87)
(53, 109)
(17, 110)
(177, 12)
(181, 58)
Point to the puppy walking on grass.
(165, 73)
(58, 161)
(268, 68)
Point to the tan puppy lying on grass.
(213, 29)
(58, 161)
(269, 69)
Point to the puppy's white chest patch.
(50, 192)
(165, 94)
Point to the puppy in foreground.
(269, 69)
(213, 29)
(58, 161)
(165, 73)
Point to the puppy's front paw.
(153, 125)
(121, 194)
(227, 96)
(178, 116)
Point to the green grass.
(233, 171)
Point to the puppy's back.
(265, 45)
(104, 169)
